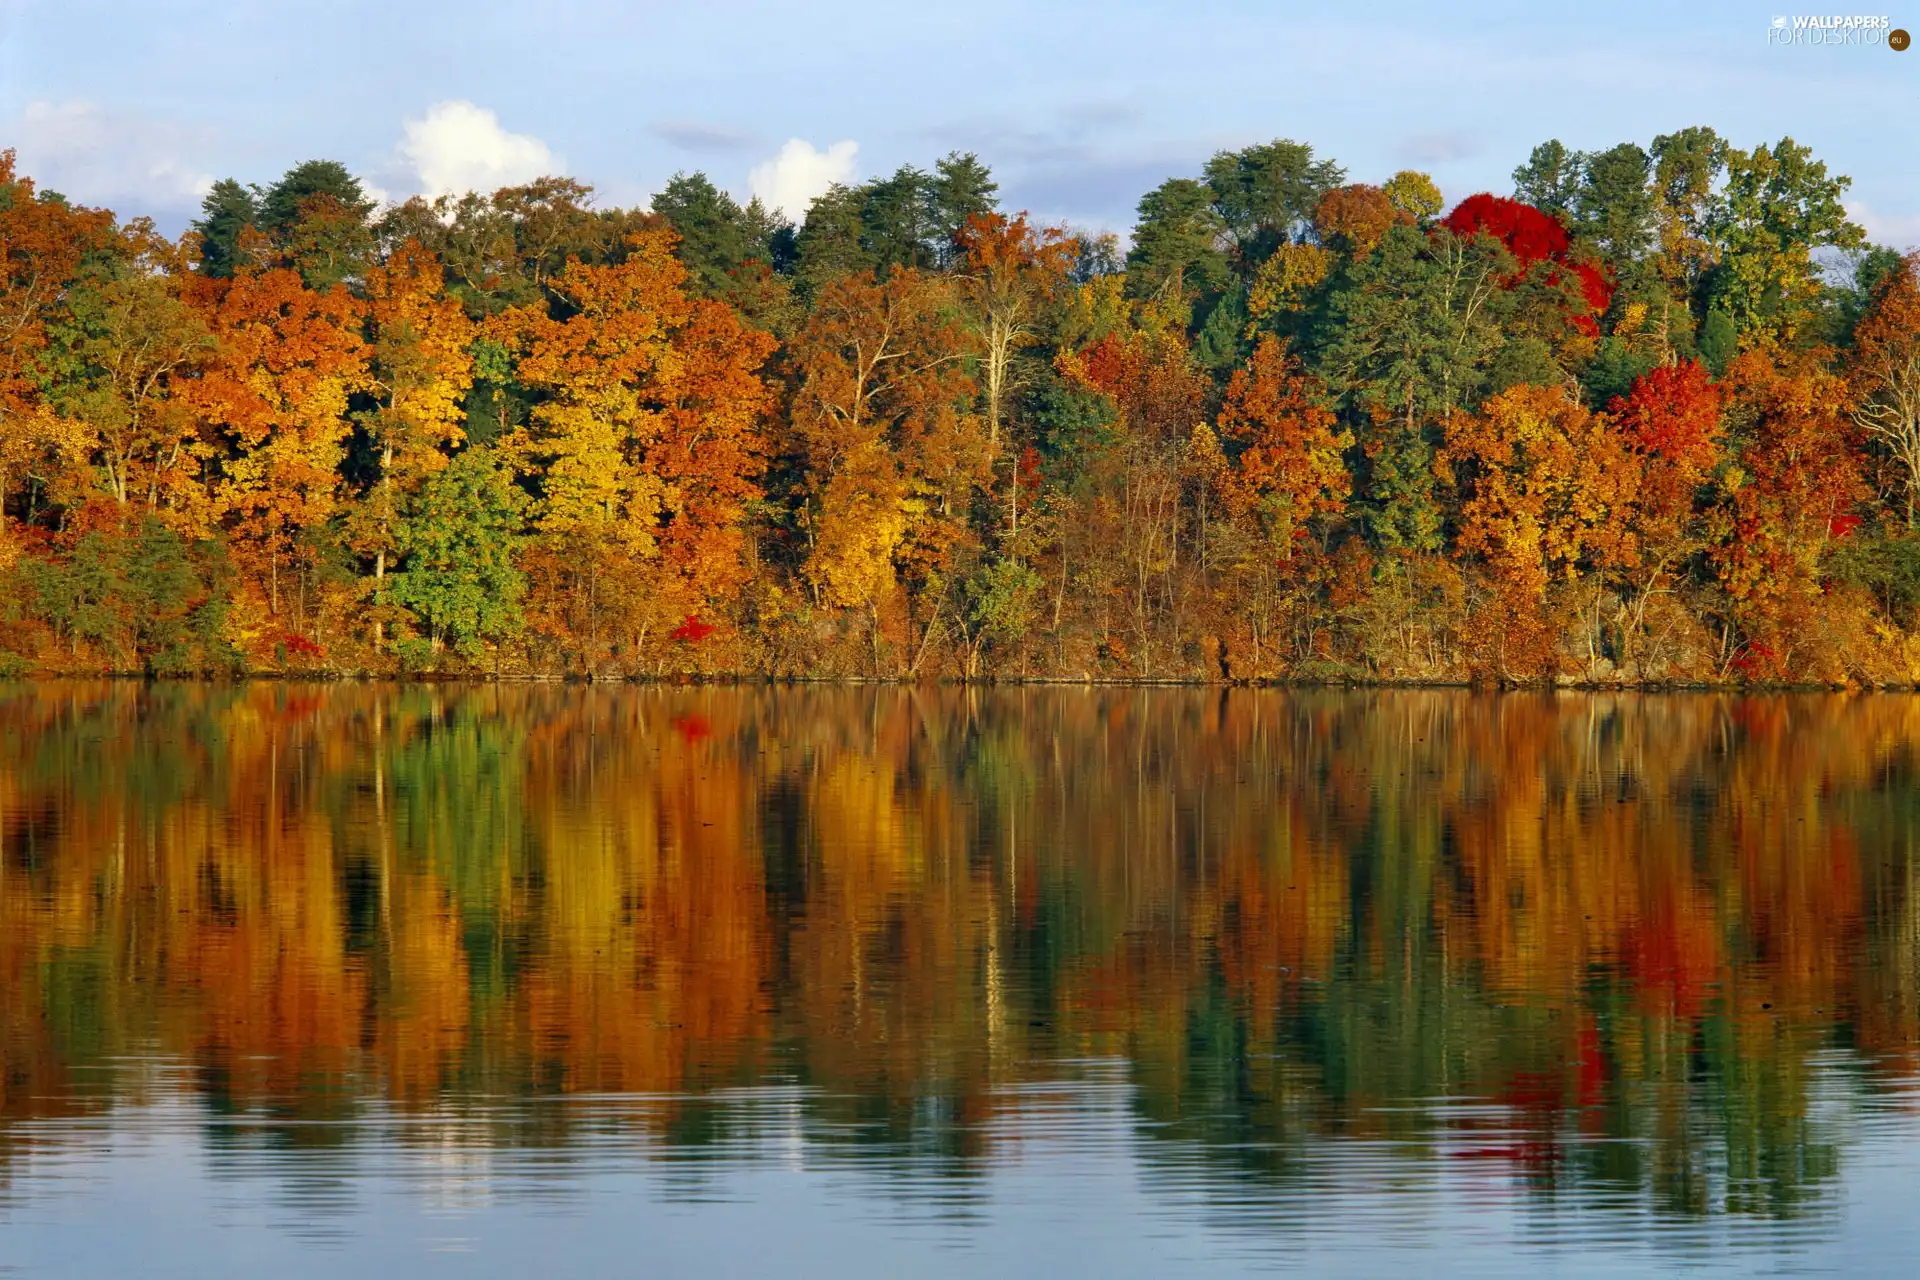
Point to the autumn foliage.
(1609, 428)
(1532, 236)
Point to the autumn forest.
(1651, 416)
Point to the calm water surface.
(438, 980)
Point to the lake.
(849, 981)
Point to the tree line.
(1652, 416)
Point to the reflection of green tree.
(79, 996)
(1776, 1158)
(456, 773)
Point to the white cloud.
(458, 147)
(131, 163)
(790, 181)
(1895, 230)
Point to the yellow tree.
(1791, 499)
(127, 342)
(880, 420)
(1414, 194)
(1290, 444)
(646, 445)
(421, 371)
(1546, 486)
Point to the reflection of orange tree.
(647, 973)
(1630, 916)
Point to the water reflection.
(1558, 971)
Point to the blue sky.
(1078, 107)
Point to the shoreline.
(986, 682)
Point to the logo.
(1787, 30)
(1898, 39)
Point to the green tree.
(228, 210)
(458, 542)
(1779, 205)
(1613, 206)
(1176, 242)
(1221, 343)
(771, 233)
(961, 187)
(1719, 343)
(1416, 331)
(1550, 179)
(143, 595)
(898, 220)
(716, 239)
(318, 218)
(831, 242)
(1687, 165)
(1266, 195)
(281, 205)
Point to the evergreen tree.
(280, 204)
(715, 238)
(830, 243)
(961, 188)
(1613, 205)
(1176, 242)
(1415, 333)
(1266, 195)
(228, 210)
(898, 226)
(1550, 179)
(772, 234)
(1221, 343)
(319, 220)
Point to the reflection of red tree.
(1763, 721)
(1673, 951)
(1591, 1058)
(1534, 1100)
(299, 707)
(692, 728)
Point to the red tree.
(1532, 236)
